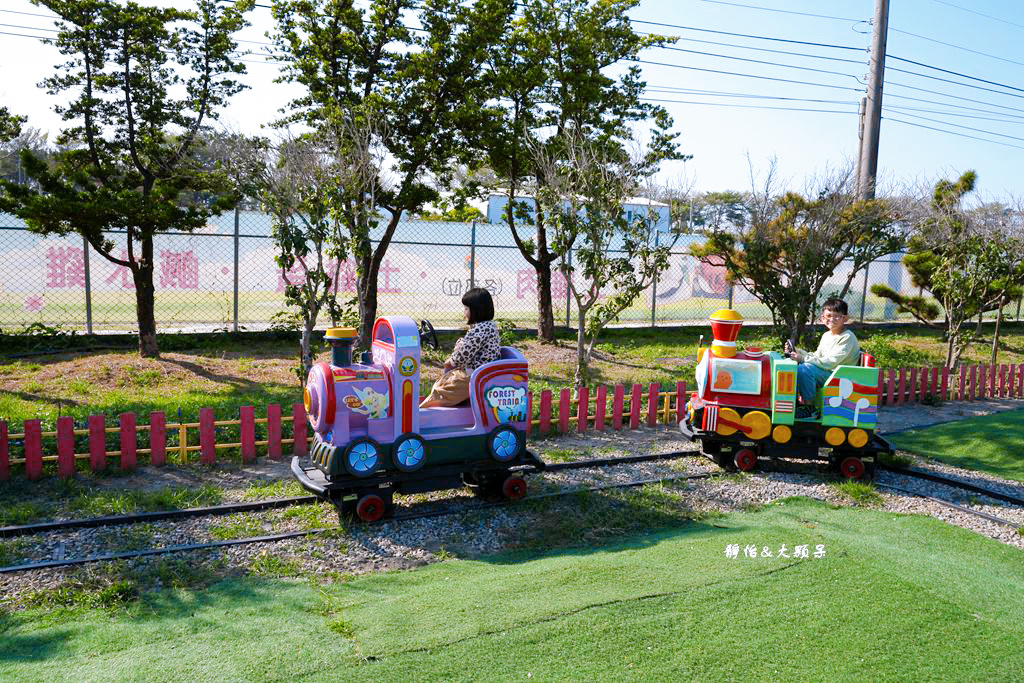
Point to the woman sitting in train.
(482, 344)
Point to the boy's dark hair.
(480, 304)
(836, 306)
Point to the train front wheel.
(745, 460)
(371, 508)
(852, 467)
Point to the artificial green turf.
(990, 443)
(894, 598)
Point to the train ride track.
(45, 527)
(120, 520)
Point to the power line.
(958, 47)
(964, 116)
(753, 106)
(949, 132)
(957, 73)
(747, 35)
(957, 97)
(957, 125)
(757, 61)
(780, 11)
(757, 49)
(947, 104)
(755, 96)
(980, 14)
(963, 85)
(743, 75)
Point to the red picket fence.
(603, 408)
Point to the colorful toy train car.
(744, 408)
(371, 439)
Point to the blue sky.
(950, 34)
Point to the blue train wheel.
(362, 457)
(505, 443)
(410, 453)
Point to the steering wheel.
(427, 335)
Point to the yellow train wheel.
(782, 434)
(835, 436)
(858, 438)
(760, 425)
(728, 421)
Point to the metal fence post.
(472, 256)
(236, 272)
(864, 292)
(730, 296)
(88, 286)
(654, 284)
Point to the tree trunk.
(367, 286)
(306, 350)
(995, 335)
(142, 274)
(582, 353)
(545, 310)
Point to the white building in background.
(655, 213)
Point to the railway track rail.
(255, 506)
(46, 527)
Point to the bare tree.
(784, 246)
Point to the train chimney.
(725, 328)
(341, 340)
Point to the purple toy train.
(371, 438)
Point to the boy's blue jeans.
(809, 378)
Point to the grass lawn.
(894, 598)
(990, 443)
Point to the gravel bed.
(404, 544)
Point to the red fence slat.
(129, 440)
(982, 381)
(564, 398)
(545, 411)
(247, 432)
(972, 385)
(617, 405)
(65, 447)
(33, 449)
(157, 438)
(653, 399)
(207, 437)
(274, 431)
(600, 405)
(1020, 381)
(900, 394)
(680, 401)
(891, 376)
(299, 421)
(924, 384)
(5, 453)
(1002, 381)
(97, 442)
(635, 399)
(992, 371)
(583, 409)
(945, 383)
(912, 385)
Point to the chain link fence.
(224, 277)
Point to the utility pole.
(868, 161)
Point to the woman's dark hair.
(480, 304)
